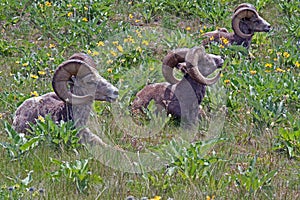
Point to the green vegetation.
(256, 155)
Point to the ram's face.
(258, 24)
(96, 85)
(209, 64)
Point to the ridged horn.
(242, 13)
(192, 58)
(243, 5)
(85, 58)
(63, 74)
(172, 60)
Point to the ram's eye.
(256, 21)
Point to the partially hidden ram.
(180, 98)
(245, 22)
(76, 83)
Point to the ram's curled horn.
(240, 14)
(85, 58)
(192, 59)
(243, 5)
(63, 74)
(172, 60)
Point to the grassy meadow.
(247, 146)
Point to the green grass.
(255, 155)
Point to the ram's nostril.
(116, 92)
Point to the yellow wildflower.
(286, 55)
(137, 21)
(210, 198)
(275, 59)
(139, 33)
(70, 14)
(221, 46)
(120, 48)
(130, 16)
(25, 64)
(227, 81)
(40, 118)
(201, 31)
(16, 186)
(129, 39)
(113, 53)
(34, 76)
(156, 198)
(41, 73)
(109, 61)
(86, 8)
(51, 46)
(267, 71)
(139, 49)
(49, 4)
(85, 19)
(115, 42)
(109, 70)
(280, 70)
(1, 115)
(34, 94)
(297, 64)
(95, 53)
(188, 28)
(211, 38)
(270, 51)
(268, 65)
(145, 42)
(100, 44)
(224, 40)
(252, 72)
(69, 5)
(17, 62)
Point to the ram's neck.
(242, 41)
(80, 113)
(198, 89)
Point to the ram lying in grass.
(76, 85)
(181, 98)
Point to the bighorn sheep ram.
(245, 21)
(181, 98)
(76, 85)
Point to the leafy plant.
(193, 162)
(250, 179)
(63, 135)
(16, 142)
(289, 139)
(21, 189)
(77, 172)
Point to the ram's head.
(198, 65)
(77, 81)
(246, 21)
